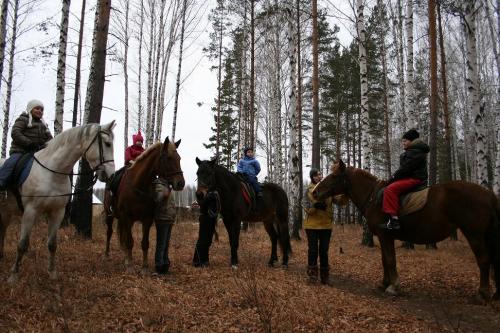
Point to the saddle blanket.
(413, 201)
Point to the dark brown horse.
(134, 200)
(457, 204)
(272, 210)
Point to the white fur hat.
(31, 105)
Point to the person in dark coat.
(411, 173)
(30, 133)
(250, 167)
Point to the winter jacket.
(413, 162)
(249, 166)
(165, 211)
(132, 152)
(317, 218)
(23, 134)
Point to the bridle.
(167, 176)
(347, 185)
(102, 161)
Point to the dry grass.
(95, 295)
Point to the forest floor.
(94, 294)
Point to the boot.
(324, 274)
(312, 274)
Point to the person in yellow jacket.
(318, 227)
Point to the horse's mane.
(67, 137)
(362, 173)
(145, 154)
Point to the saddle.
(409, 202)
(115, 180)
(247, 191)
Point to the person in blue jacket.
(250, 167)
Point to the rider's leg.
(7, 169)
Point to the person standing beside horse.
(136, 149)
(318, 227)
(164, 218)
(250, 167)
(411, 173)
(30, 133)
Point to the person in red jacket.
(136, 149)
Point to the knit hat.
(31, 105)
(246, 149)
(314, 172)
(137, 137)
(411, 135)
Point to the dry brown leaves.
(94, 294)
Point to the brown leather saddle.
(409, 202)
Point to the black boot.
(312, 274)
(392, 224)
(324, 274)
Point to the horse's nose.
(200, 195)
(180, 184)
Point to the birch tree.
(410, 90)
(315, 163)
(61, 67)
(76, 94)
(3, 33)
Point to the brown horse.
(134, 200)
(469, 207)
(272, 210)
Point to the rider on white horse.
(30, 133)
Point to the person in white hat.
(30, 133)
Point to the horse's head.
(336, 183)
(99, 152)
(206, 177)
(170, 165)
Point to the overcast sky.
(195, 101)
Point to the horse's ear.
(110, 125)
(198, 161)
(177, 143)
(166, 142)
(341, 166)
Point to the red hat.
(137, 137)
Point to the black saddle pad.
(114, 182)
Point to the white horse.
(47, 188)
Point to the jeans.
(163, 232)
(318, 243)
(7, 169)
(252, 180)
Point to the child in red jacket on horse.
(136, 149)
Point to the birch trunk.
(293, 159)
(251, 107)
(410, 90)
(365, 120)
(8, 94)
(397, 32)
(387, 144)
(149, 112)
(433, 93)
(3, 34)
(219, 81)
(76, 94)
(61, 68)
(139, 74)
(155, 121)
(473, 87)
(299, 111)
(125, 75)
(178, 80)
(315, 163)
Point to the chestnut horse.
(134, 200)
(456, 204)
(273, 211)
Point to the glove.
(32, 146)
(320, 205)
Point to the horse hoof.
(53, 275)
(12, 279)
(271, 263)
(391, 291)
(234, 267)
(284, 266)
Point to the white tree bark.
(365, 120)
(125, 73)
(3, 34)
(139, 73)
(149, 72)
(476, 109)
(8, 93)
(293, 158)
(61, 67)
(178, 80)
(410, 91)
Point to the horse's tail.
(493, 242)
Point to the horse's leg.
(27, 222)
(389, 262)
(480, 250)
(268, 224)
(3, 230)
(233, 227)
(126, 242)
(109, 233)
(55, 219)
(146, 227)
